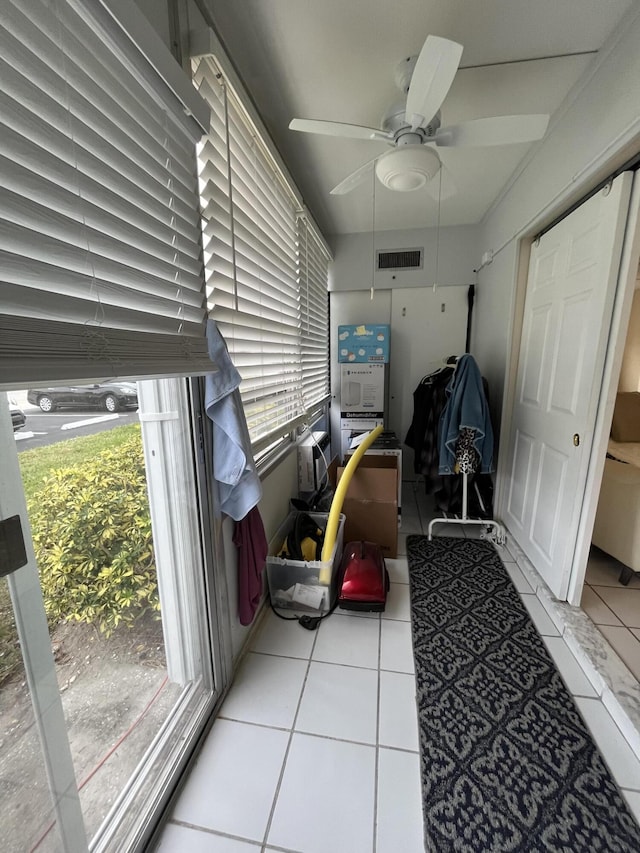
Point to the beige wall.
(630, 372)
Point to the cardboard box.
(370, 504)
(358, 423)
(396, 453)
(362, 392)
(363, 344)
(358, 428)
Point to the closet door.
(571, 286)
(425, 328)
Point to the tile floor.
(614, 608)
(316, 745)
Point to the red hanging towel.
(251, 541)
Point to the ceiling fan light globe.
(407, 168)
(405, 181)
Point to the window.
(100, 244)
(265, 266)
(112, 507)
(102, 277)
(313, 274)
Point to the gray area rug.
(507, 762)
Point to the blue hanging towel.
(233, 467)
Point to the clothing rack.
(455, 421)
(497, 533)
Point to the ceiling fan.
(413, 130)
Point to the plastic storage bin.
(300, 584)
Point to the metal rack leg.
(498, 533)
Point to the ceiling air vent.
(400, 259)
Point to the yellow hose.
(338, 499)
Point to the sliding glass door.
(109, 579)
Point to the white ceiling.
(335, 59)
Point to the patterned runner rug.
(507, 762)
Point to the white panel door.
(425, 328)
(571, 285)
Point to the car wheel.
(46, 403)
(110, 403)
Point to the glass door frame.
(173, 746)
(39, 665)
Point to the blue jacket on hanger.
(466, 407)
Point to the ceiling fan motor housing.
(407, 167)
(404, 73)
(395, 121)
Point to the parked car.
(110, 396)
(18, 417)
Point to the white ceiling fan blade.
(499, 130)
(354, 179)
(432, 78)
(336, 128)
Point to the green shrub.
(92, 535)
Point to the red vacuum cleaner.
(364, 580)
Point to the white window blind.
(313, 274)
(100, 248)
(262, 281)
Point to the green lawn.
(35, 466)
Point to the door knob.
(576, 439)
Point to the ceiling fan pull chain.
(435, 280)
(373, 233)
